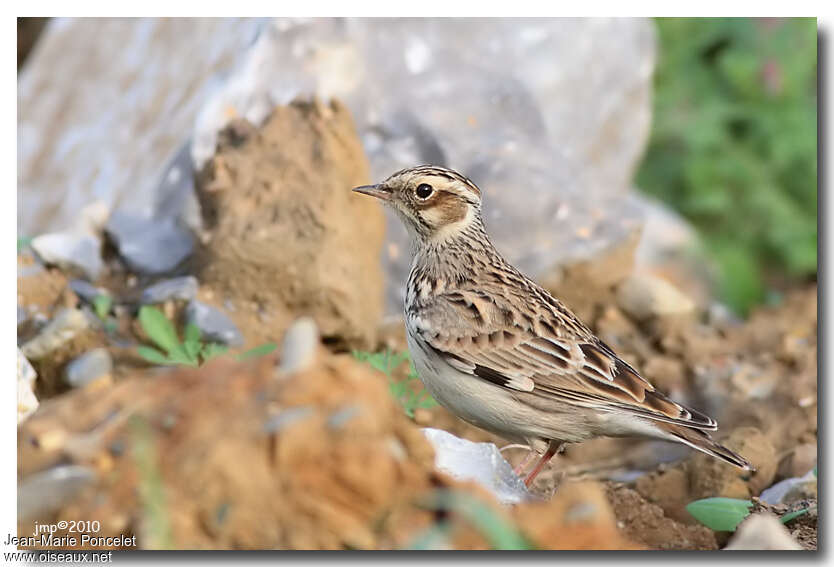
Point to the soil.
(244, 456)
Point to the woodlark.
(502, 353)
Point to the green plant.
(402, 390)
(156, 524)
(262, 350)
(734, 145)
(499, 533)
(725, 514)
(190, 352)
(102, 304)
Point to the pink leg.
(552, 449)
(523, 464)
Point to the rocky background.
(201, 298)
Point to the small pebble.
(150, 245)
(88, 367)
(214, 325)
(27, 402)
(86, 291)
(340, 417)
(299, 347)
(643, 296)
(286, 418)
(762, 531)
(62, 329)
(183, 288)
(71, 251)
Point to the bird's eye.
(424, 190)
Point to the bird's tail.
(701, 441)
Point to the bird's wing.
(545, 351)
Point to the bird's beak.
(379, 191)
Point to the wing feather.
(522, 356)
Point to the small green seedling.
(725, 514)
(402, 390)
(720, 514)
(190, 352)
(102, 304)
(263, 350)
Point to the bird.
(501, 352)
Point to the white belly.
(480, 403)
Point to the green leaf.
(192, 333)
(262, 350)
(793, 515)
(152, 355)
(160, 330)
(192, 350)
(720, 514)
(102, 304)
(212, 350)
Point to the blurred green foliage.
(734, 145)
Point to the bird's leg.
(552, 449)
(523, 464)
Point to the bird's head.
(435, 203)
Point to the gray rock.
(480, 462)
(66, 325)
(548, 116)
(790, 489)
(46, 492)
(150, 245)
(214, 324)
(762, 531)
(72, 251)
(298, 349)
(88, 367)
(110, 141)
(22, 315)
(184, 288)
(86, 291)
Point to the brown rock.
(39, 290)
(286, 235)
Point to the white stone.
(479, 462)
(762, 531)
(27, 402)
